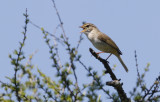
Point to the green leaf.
(10, 56)
(42, 29)
(15, 52)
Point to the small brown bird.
(102, 42)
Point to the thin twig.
(63, 76)
(56, 29)
(71, 61)
(18, 57)
(57, 53)
(57, 39)
(61, 23)
(153, 89)
(47, 92)
(138, 74)
(94, 78)
(80, 39)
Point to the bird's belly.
(102, 46)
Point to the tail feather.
(120, 59)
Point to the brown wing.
(110, 42)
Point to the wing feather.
(110, 42)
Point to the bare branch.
(138, 74)
(61, 23)
(118, 87)
(57, 39)
(80, 39)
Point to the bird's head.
(87, 28)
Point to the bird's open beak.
(82, 28)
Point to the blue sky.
(132, 24)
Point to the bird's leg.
(99, 52)
(108, 56)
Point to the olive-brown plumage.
(102, 42)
